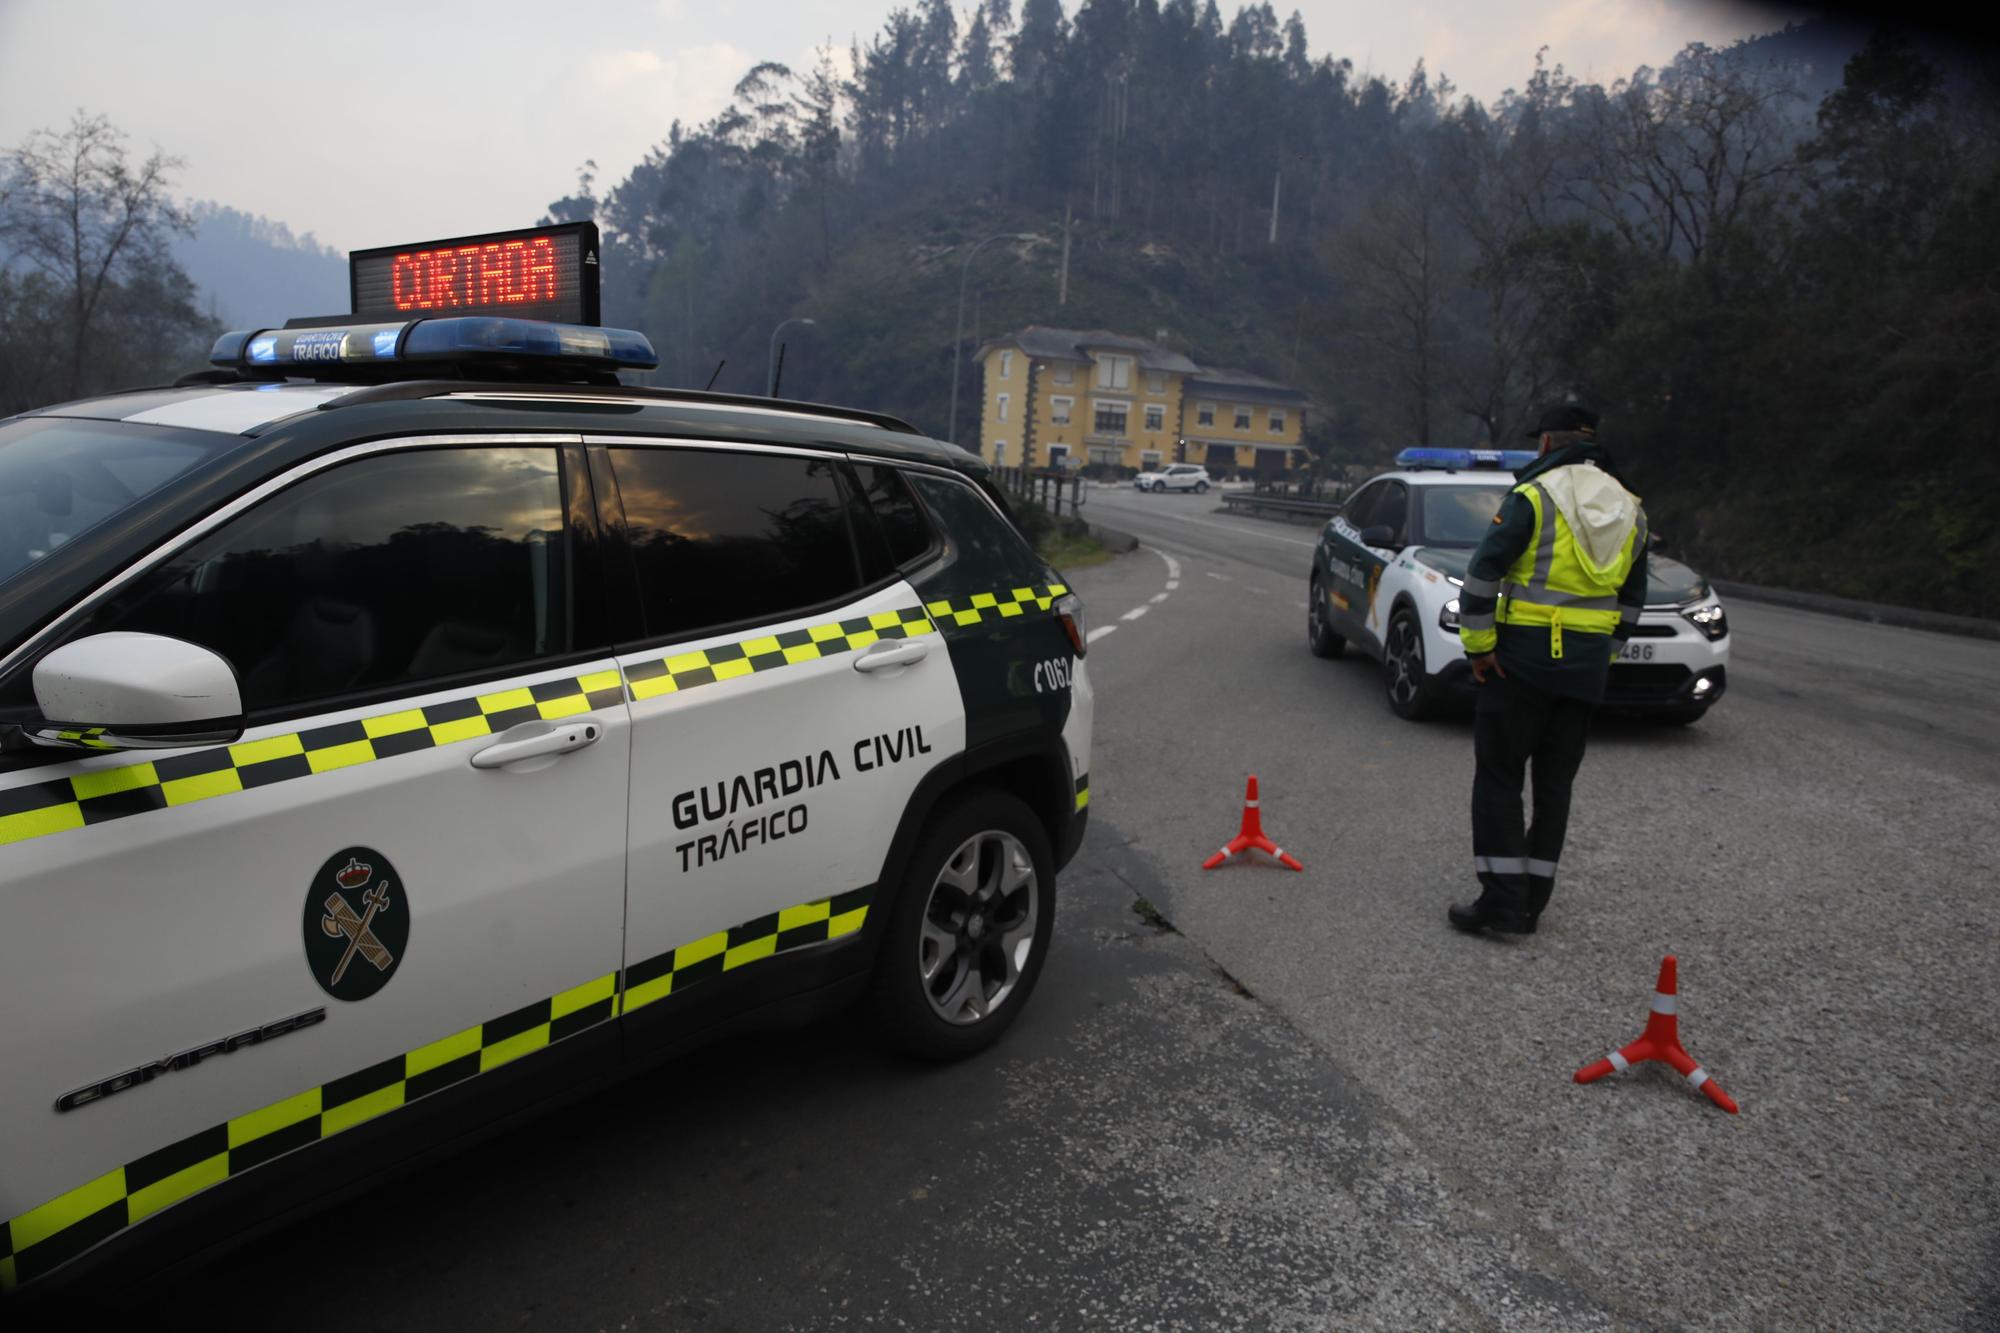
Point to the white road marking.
(1173, 584)
(1261, 592)
(1224, 577)
(1159, 597)
(1135, 613)
(1173, 567)
(1099, 633)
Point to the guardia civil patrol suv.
(1387, 569)
(406, 722)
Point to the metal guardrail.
(1048, 487)
(1284, 506)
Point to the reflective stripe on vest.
(1529, 597)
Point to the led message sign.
(538, 273)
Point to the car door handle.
(559, 738)
(895, 653)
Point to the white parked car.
(1177, 477)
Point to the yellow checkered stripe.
(105, 794)
(83, 799)
(676, 970)
(727, 661)
(1083, 791)
(984, 606)
(44, 1238)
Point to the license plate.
(1636, 652)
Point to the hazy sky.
(371, 123)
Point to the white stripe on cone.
(1619, 1062)
(1664, 1004)
(1697, 1076)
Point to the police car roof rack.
(413, 390)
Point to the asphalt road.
(1821, 852)
(1308, 1104)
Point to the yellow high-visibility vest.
(1553, 584)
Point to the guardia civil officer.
(1556, 585)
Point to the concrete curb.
(1116, 542)
(1902, 617)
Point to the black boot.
(1484, 914)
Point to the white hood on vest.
(1599, 511)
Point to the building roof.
(1240, 386)
(1077, 344)
(1052, 344)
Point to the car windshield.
(1459, 515)
(61, 477)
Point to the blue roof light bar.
(460, 339)
(1466, 460)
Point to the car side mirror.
(1381, 534)
(125, 691)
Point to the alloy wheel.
(978, 928)
(1405, 661)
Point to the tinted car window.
(971, 526)
(1459, 515)
(725, 537)
(1392, 510)
(896, 510)
(1361, 504)
(397, 569)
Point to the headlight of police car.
(1448, 616)
(1708, 619)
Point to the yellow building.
(1070, 397)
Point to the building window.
(1110, 418)
(1059, 410)
(1003, 406)
(1113, 457)
(1065, 373)
(999, 453)
(1156, 416)
(1204, 415)
(1149, 460)
(1156, 383)
(1243, 418)
(1114, 372)
(1006, 365)
(1277, 420)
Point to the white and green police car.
(407, 723)
(1387, 570)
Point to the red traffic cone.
(1251, 836)
(1661, 1041)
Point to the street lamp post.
(965, 270)
(771, 361)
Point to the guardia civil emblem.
(357, 923)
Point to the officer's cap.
(1565, 416)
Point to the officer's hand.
(1484, 663)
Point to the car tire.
(969, 930)
(1201, 488)
(1407, 683)
(1319, 632)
